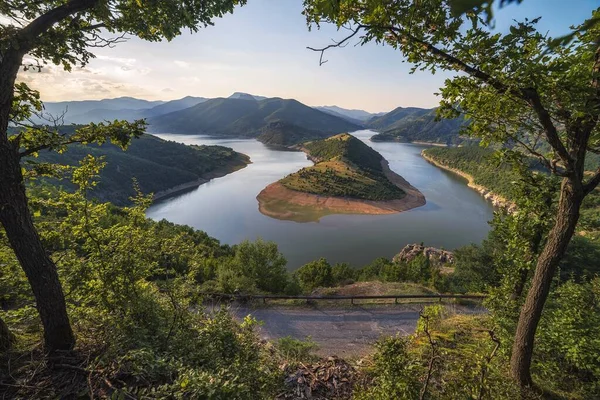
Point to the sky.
(261, 49)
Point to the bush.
(343, 273)
(315, 274)
(395, 372)
(373, 270)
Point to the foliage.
(568, 342)
(262, 264)
(342, 273)
(132, 295)
(395, 372)
(315, 274)
(296, 351)
(481, 164)
(345, 167)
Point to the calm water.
(227, 209)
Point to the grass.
(346, 168)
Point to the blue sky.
(261, 49)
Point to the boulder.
(436, 256)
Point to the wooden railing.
(396, 297)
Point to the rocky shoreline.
(497, 200)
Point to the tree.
(315, 274)
(262, 262)
(518, 89)
(63, 32)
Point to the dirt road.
(343, 331)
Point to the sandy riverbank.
(496, 199)
(279, 202)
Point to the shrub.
(343, 273)
(315, 274)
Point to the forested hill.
(416, 125)
(283, 134)
(345, 167)
(157, 165)
(241, 117)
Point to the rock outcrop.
(436, 256)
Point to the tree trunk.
(6, 338)
(558, 239)
(18, 224)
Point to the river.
(227, 209)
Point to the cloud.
(167, 90)
(182, 64)
(128, 62)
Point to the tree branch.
(30, 151)
(341, 43)
(529, 95)
(45, 21)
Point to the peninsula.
(348, 177)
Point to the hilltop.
(246, 117)
(348, 177)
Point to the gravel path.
(342, 331)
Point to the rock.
(436, 256)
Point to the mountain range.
(272, 120)
(248, 118)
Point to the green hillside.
(156, 164)
(386, 120)
(285, 134)
(345, 167)
(416, 125)
(477, 162)
(238, 117)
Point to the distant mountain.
(385, 121)
(173, 105)
(125, 108)
(421, 126)
(356, 115)
(347, 118)
(246, 96)
(236, 117)
(158, 166)
(75, 108)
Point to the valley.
(227, 209)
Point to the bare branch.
(341, 43)
(484, 367)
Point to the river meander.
(227, 209)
